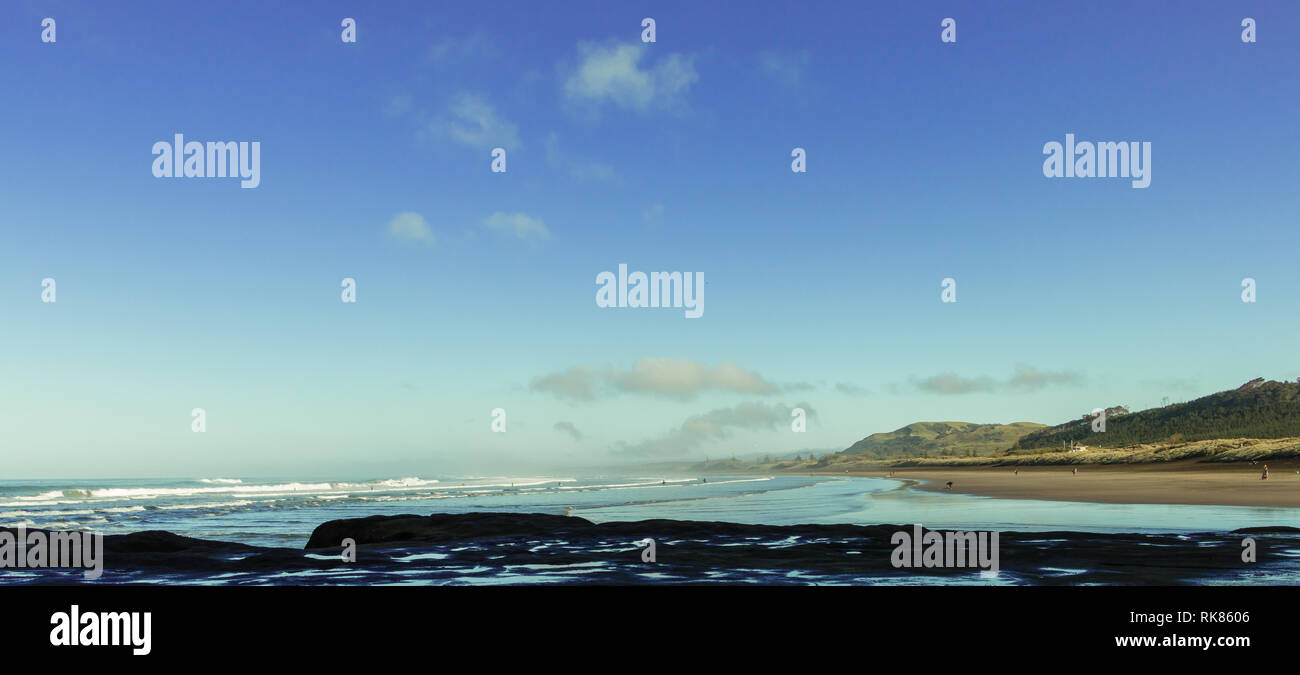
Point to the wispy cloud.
(399, 105)
(684, 378)
(475, 47)
(653, 214)
(613, 73)
(570, 429)
(850, 389)
(951, 383)
(667, 377)
(518, 225)
(783, 67)
(472, 121)
(1172, 384)
(576, 383)
(581, 170)
(716, 425)
(1026, 378)
(410, 226)
(1029, 378)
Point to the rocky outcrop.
(152, 541)
(441, 527)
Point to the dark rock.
(441, 527)
(1272, 529)
(154, 541)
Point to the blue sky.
(822, 288)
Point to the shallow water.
(872, 501)
(282, 514)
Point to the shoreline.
(1189, 483)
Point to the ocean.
(280, 514)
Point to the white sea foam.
(404, 482)
(27, 514)
(218, 486)
(206, 505)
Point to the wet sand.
(1236, 484)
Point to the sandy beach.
(1236, 484)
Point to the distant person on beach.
(1264, 476)
(1017, 472)
(1075, 470)
(949, 485)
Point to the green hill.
(1257, 409)
(941, 439)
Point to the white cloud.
(684, 378)
(577, 169)
(473, 122)
(850, 389)
(716, 425)
(476, 47)
(952, 383)
(410, 226)
(1026, 378)
(519, 225)
(1029, 378)
(576, 383)
(784, 67)
(613, 74)
(672, 378)
(570, 429)
(653, 214)
(399, 105)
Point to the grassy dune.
(951, 439)
(1217, 450)
(1212, 451)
